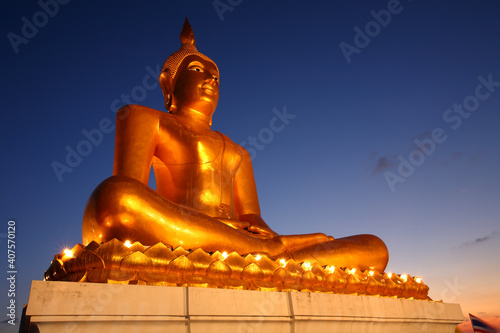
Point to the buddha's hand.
(256, 231)
(258, 227)
(262, 232)
(235, 223)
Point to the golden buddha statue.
(205, 194)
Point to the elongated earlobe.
(167, 88)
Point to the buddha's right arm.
(135, 143)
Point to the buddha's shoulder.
(132, 112)
(227, 139)
(230, 144)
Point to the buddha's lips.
(208, 88)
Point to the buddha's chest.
(204, 152)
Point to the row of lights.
(67, 254)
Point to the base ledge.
(90, 307)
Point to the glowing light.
(128, 243)
(418, 279)
(283, 262)
(224, 255)
(204, 153)
(68, 253)
(258, 257)
(389, 275)
(352, 271)
(404, 277)
(331, 269)
(371, 273)
(307, 266)
(208, 196)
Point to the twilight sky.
(388, 116)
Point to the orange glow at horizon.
(466, 326)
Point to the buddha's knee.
(107, 211)
(379, 251)
(367, 251)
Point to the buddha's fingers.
(262, 232)
(235, 223)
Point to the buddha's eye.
(196, 68)
(216, 78)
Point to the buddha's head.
(189, 79)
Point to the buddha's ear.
(167, 87)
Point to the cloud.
(424, 135)
(383, 163)
(474, 159)
(480, 239)
(447, 161)
(453, 158)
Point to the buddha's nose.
(211, 80)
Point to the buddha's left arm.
(246, 201)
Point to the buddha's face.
(197, 86)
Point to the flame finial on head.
(187, 34)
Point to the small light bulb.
(283, 262)
(224, 255)
(128, 243)
(68, 253)
(258, 257)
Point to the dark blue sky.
(336, 164)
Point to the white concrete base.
(88, 307)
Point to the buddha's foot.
(297, 242)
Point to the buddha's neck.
(194, 117)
